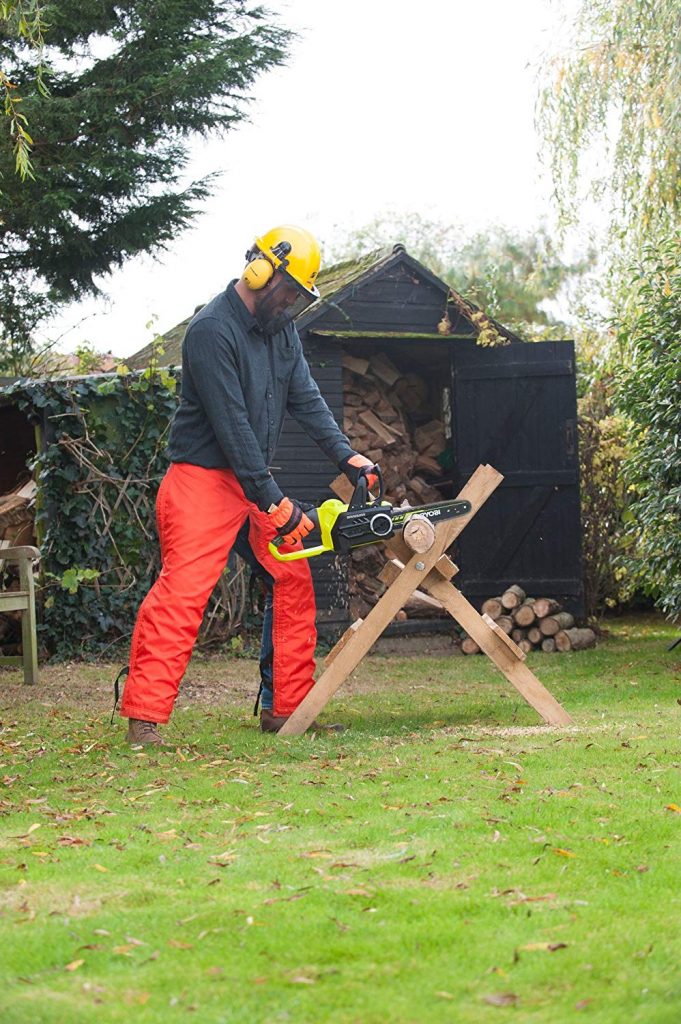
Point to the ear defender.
(258, 273)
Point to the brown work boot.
(143, 732)
(269, 722)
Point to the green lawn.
(447, 859)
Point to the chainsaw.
(366, 520)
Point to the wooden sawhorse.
(423, 563)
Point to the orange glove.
(353, 463)
(290, 521)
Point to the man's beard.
(273, 324)
(270, 322)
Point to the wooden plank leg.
(357, 644)
(517, 673)
(480, 486)
(29, 640)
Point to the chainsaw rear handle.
(324, 518)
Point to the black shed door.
(515, 408)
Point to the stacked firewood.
(16, 529)
(388, 417)
(533, 623)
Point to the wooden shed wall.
(397, 298)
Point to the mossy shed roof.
(331, 281)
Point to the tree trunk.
(524, 615)
(493, 607)
(544, 606)
(469, 646)
(575, 639)
(553, 623)
(513, 597)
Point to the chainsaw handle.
(312, 515)
(323, 517)
(361, 495)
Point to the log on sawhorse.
(425, 565)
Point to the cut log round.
(505, 622)
(493, 607)
(513, 597)
(524, 615)
(469, 646)
(544, 606)
(548, 645)
(534, 634)
(517, 635)
(575, 639)
(553, 623)
(525, 646)
(419, 534)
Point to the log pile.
(533, 624)
(388, 418)
(16, 528)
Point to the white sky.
(384, 105)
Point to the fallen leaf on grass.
(501, 999)
(302, 979)
(74, 965)
(140, 998)
(317, 853)
(73, 841)
(444, 995)
(100, 867)
(179, 944)
(549, 947)
(123, 950)
(559, 852)
(668, 807)
(32, 828)
(358, 892)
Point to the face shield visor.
(282, 301)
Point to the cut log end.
(419, 534)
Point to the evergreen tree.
(130, 82)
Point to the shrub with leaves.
(602, 449)
(650, 396)
(98, 473)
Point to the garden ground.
(446, 859)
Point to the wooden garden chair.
(22, 600)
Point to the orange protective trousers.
(199, 513)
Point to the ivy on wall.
(103, 458)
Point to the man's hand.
(290, 520)
(352, 465)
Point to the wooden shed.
(513, 406)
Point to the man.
(242, 368)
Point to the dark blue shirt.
(237, 384)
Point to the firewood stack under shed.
(533, 624)
(391, 417)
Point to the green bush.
(649, 395)
(98, 473)
(602, 450)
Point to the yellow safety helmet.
(290, 251)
